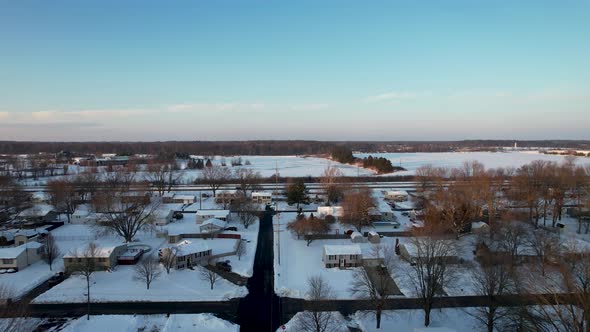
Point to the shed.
(357, 237)
(374, 237)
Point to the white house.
(104, 256)
(336, 211)
(342, 256)
(396, 195)
(262, 197)
(189, 253)
(225, 196)
(19, 257)
(203, 215)
(212, 225)
(184, 199)
(163, 216)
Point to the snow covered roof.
(382, 206)
(261, 194)
(214, 221)
(101, 251)
(187, 247)
(355, 235)
(168, 195)
(397, 193)
(38, 210)
(353, 249)
(373, 233)
(478, 224)
(214, 213)
(336, 211)
(185, 197)
(226, 192)
(14, 252)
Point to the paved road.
(259, 311)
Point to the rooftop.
(352, 249)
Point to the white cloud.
(396, 95)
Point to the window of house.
(7, 261)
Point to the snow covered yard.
(120, 286)
(456, 320)
(125, 323)
(23, 281)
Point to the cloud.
(395, 95)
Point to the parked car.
(177, 215)
(405, 213)
(224, 266)
(56, 279)
(232, 228)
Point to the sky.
(321, 70)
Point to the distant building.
(342, 256)
(105, 257)
(262, 197)
(225, 196)
(203, 215)
(396, 195)
(335, 211)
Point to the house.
(83, 215)
(212, 225)
(262, 197)
(20, 257)
(342, 256)
(189, 253)
(38, 214)
(23, 236)
(163, 216)
(203, 215)
(226, 196)
(357, 237)
(335, 211)
(184, 199)
(105, 257)
(382, 212)
(409, 252)
(167, 197)
(396, 195)
(374, 237)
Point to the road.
(259, 310)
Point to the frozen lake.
(411, 161)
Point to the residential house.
(374, 237)
(203, 215)
(184, 199)
(262, 197)
(409, 252)
(212, 225)
(105, 257)
(225, 196)
(189, 253)
(342, 256)
(38, 214)
(396, 195)
(335, 211)
(20, 257)
(382, 212)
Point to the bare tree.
(357, 205)
(331, 184)
(215, 177)
(147, 270)
(207, 274)
(13, 198)
(123, 211)
(168, 258)
(85, 266)
(245, 209)
(241, 249)
(490, 281)
(315, 320)
(14, 313)
(50, 250)
(567, 313)
(545, 245)
(377, 291)
(63, 196)
(247, 179)
(162, 177)
(310, 227)
(430, 269)
(510, 241)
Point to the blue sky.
(328, 70)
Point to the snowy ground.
(161, 323)
(412, 161)
(120, 286)
(23, 281)
(456, 320)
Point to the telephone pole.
(278, 231)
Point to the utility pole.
(278, 231)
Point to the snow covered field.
(445, 320)
(161, 323)
(412, 161)
(119, 286)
